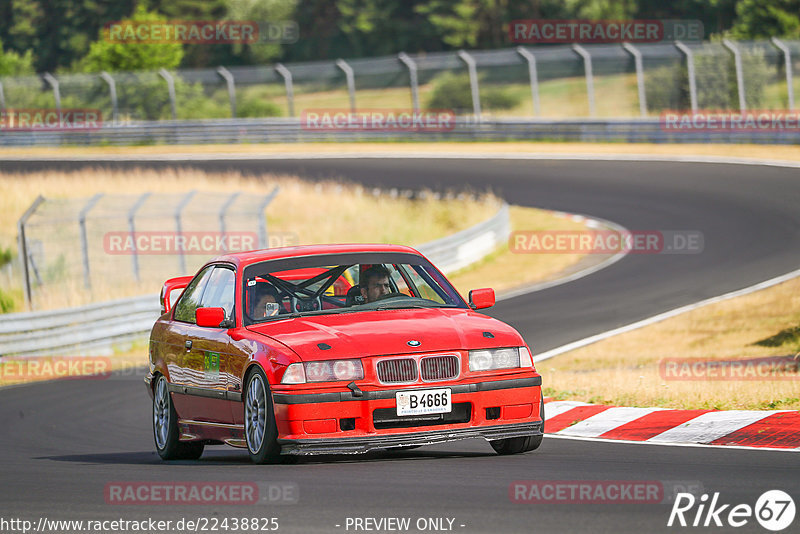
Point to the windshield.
(350, 283)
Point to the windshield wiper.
(404, 305)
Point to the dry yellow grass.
(326, 212)
(624, 370)
(779, 152)
(505, 270)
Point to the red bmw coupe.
(335, 349)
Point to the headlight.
(487, 359)
(324, 371)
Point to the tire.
(165, 427)
(523, 444)
(260, 430)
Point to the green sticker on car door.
(211, 364)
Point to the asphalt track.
(63, 442)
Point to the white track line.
(604, 421)
(662, 316)
(710, 426)
(657, 444)
(220, 156)
(552, 409)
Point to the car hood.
(374, 333)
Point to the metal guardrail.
(281, 130)
(99, 327)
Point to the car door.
(204, 384)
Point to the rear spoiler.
(170, 286)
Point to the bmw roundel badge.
(413, 343)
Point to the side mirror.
(209, 317)
(481, 298)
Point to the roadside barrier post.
(112, 91)
(533, 76)
(690, 70)
(229, 81)
(132, 229)
(787, 62)
(351, 82)
(473, 82)
(179, 228)
(412, 75)
(637, 61)
(223, 211)
(737, 61)
(587, 68)
(171, 89)
(262, 220)
(287, 82)
(50, 79)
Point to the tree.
(15, 64)
(762, 19)
(106, 55)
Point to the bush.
(6, 302)
(668, 87)
(254, 108)
(452, 91)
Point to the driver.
(375, 283)
(266, 302)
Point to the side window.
(190, 301)
(220, 291)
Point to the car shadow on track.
(224, 457)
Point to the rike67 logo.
(774, 510)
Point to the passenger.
(266, 301)
(375, 283)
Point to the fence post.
(587, 68)
(351, 82)
(179, 228)
(262, 220)
(228, 77)
(49, 78)
(87, 279)
(737, 62)
(171, 88)
(222, 212)
(690, 70)
(787, 61)
(22, 249)
(412, 75)
(473, 82)
(112, 90)
(637, 61)
(533, 76)
(132, 229)
(287, 81)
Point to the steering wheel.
(299, 304)
(392, 295)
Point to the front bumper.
(312, 423)
(429, 437)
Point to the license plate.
(423, 401)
